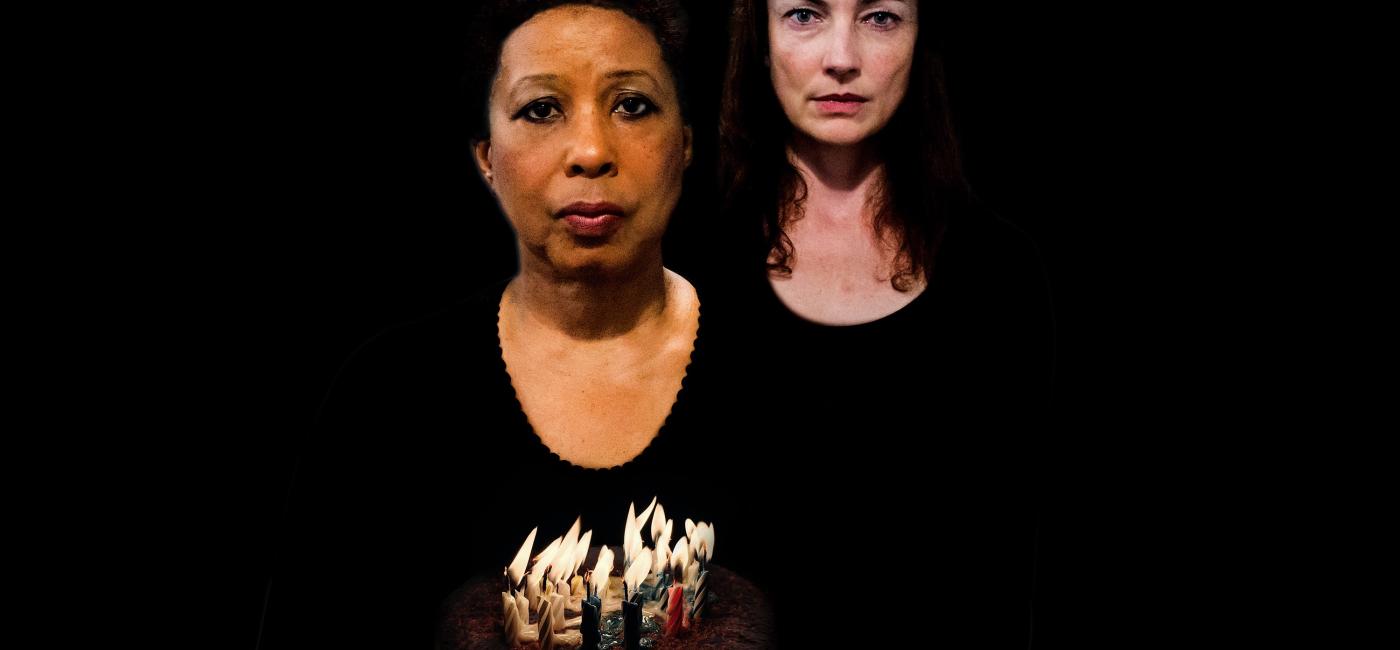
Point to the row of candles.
(655, 581)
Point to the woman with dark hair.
(572, 389)
(906, 330)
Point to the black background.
(332, 196)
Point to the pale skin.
(596, 334)
(841, 269)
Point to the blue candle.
(631, 625)
(592, 623)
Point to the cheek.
(660, 159)
(791, 66)
(893, 71)
(521, 174)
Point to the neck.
(591, 307)
(838, 168)
(840, 178)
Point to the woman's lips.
(591, 219)
(842, 104)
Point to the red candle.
(677, 616)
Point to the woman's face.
(840, 67)
(587, 147)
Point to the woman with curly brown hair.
(905, 330)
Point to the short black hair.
(498, 19)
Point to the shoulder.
(404, 357)
(986, 235)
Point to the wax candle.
(702, 592)
(532, 591)
(545, 626)
(556, 610)
(510, 618)
(631, 625)
(675, 611)
(592, 623)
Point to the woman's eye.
(882, 19)
(539, 111)
(802, 16)
(634, 106)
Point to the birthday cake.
(575, 595)
(739, 619)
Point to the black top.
(909, 448)
(426, 473)
(878, 480)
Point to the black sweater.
(426, 472)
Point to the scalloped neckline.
(535, 436)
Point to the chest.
(841, 274)
(597, 407)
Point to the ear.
(481, 152)
(688, 149)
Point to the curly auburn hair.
(923, 187)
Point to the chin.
(596, 264)
(839, 134)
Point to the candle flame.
(642, 519)
(522, 557)
(545, 558)
(680, 557)
(638, 571)
(662, 557)
(657, 524)
(602, 570)
(571, 538)
(562, 563)
(581, 551)
(629, 531)
(663, 546)
(702, 541)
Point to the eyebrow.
(823, 4)
(631, 74)
(533, 78)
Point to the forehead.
(579, 40)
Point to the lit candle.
(636, 574)
(705, 549)
(540, 570)
(676, 611)
(522, 605)
(676, 614)
(532, 591)
(663, 545)
(513, 627)
(581, 551)
(702, 591)
(631, 625)
(642, 520)
(599, 578)
(592, 623)
(545, 626)
(658, 526)
(516, 570)
(556, 611)
(631, 604)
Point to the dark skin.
(595, 332)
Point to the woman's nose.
(842, 60)
(591, 153)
